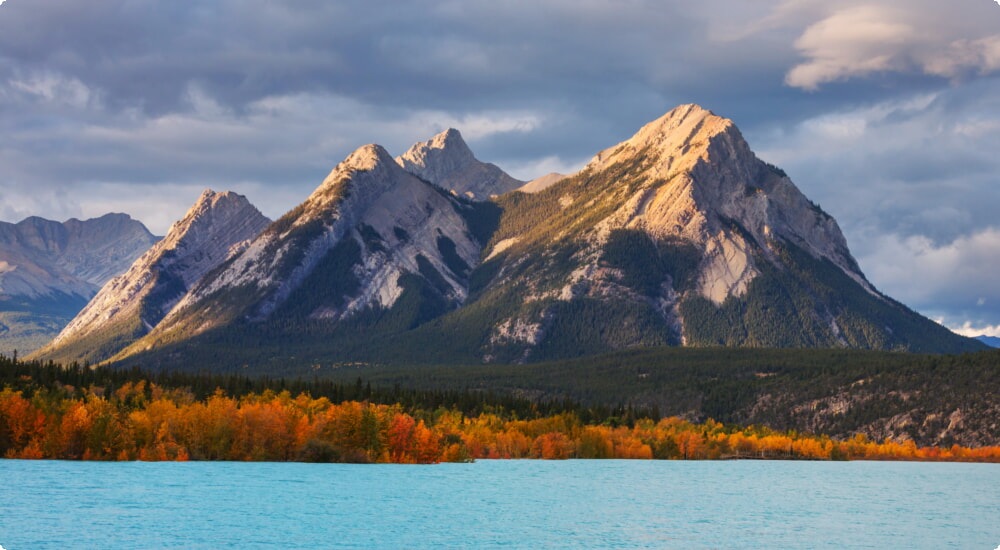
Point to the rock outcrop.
(446, 161)
(130, 305)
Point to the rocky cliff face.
(446, 161)
(679, 235)
(367, 236)
(48, 271)
(131, 304)
(701, 177)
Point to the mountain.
(131, 304)
(48, 271)
(991, 341)
(446, 161)
(679, 235)
(372, 245)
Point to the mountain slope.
(678, 236)
(446, 161)
(48, 271)
(373, 240)
(130, 305)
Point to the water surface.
(500, 504)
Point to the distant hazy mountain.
(49, 270)
(446, 161)
(130, 305)
(677, 236)
(991, 341)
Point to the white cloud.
(951, 281)
(54, 88)
(858, 39)
(541, 167)
(275, 150)
(853, 42)
(475, 126)
(968, 329)
(18, 201)
(918, 165)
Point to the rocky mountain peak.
(212, 229)
(367, 157)
(703, 184)
(438, 157)
(679, 234)
(676, 141)
(215, 227)
(446, 161)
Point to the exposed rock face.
(446, 161)
(678, 236)
(131, 304)
(703, 177)
(345, 249)
(683, 211)
(48, 271)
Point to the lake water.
(500, 504)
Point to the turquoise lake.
(500, 504)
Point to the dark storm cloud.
(883, 111)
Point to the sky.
(886, 113)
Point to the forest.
(123, 415)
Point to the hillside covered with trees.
(47, 411)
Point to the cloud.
(913, 183)
(919, 164)
(955, 281)
(275, 150)
(544, 166)
(860, 39)
(856, 41)
(139, 105)
(970, 330)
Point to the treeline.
(836, 392)
(143, 421)
(78, 413)
(77, 381)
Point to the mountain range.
(678, 236)
(49, 270)
(991, 341)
